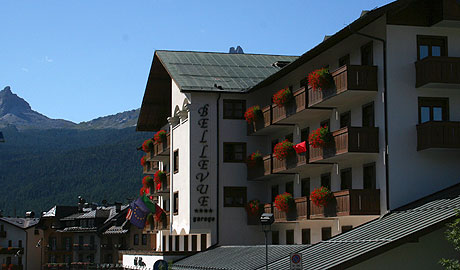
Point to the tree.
(453, 236)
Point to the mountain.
(15, 111)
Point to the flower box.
(283, 149)
(320, 79)
(147, 146)
(160, 137)
(253, 114)
(254, 210)
(282, 97)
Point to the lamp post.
(266, 220)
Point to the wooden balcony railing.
(259, 170)
(349, 77)
(264, 122)
(348, 203)
(291, 161)
(438, 70)
(348, 140)
(150, 167)
(162, 148)
(299, 212)
(438, 135)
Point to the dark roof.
(22, 223)
(236, 257)
(218, 72)
(374, 237)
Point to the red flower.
(282, 97)
(160, 214)
(283, 149)
(318, 137)
(160, 136)
(159, 178)
(147, 181)
(147, 146)
(252, 114)
(321, 196)
(142, 191)
(143, 161)
(253, 207)
(254, 158)
(320, 79)
(284, 202)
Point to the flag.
(300, 147)
(150, 205)
(139, 213)
(130, 213)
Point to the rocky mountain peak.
(12, 104)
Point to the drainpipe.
(218, 168)
(385, 109)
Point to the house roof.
(23, 223)
(372, 238)
(218, 72)
(236, 257)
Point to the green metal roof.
(219, 72)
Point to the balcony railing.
(299, 212)
(348, 140)
(346, 78)
(348, 203)
(438, 135)
(261, 123)
(162, 148)
(150, 167)
(259, 170)
(438, 71)
(291, 161)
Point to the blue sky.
(82, 59)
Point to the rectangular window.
(326, 180)
(345, 179)
(235, 196)
(326, 233)
(306, 237)
(275, 238)
(367, 54)
(275, 192)
(289, 237)
(176, 161)
(431, 46)
(20, 243)
(170, 238)
(346, 228)
(136, 239)
(10, 243)
(369, 181)
(433, 109)
(344, 60)
(176, 202)
(274, 142)
(304, 134)
(204, 242)
(164, 242)
(177, 242)
(368, 115)
(305, 187)
(345, 119)
(234, 109)
(185, 242)
(290, 187)
(194, 242)
(144, 239)
(234, 152)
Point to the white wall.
(14, 234)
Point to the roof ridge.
(180, 51)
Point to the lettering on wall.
(204, 212)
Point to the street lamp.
(266, 219)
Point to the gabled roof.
(236, 257)
(396, 228)
(218, 72)
(23, 223)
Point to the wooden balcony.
(161, 150)
(349, 203)
(352, 84)
(265, 125)
(438, 135)
(300, 212)
(151, 167)
(438, 72)
(290, 163)
(347, 141)
(165, 186)
(260, 170)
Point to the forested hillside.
(41, 168)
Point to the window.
(306, 236)
(290, 187)
(275, 238)
(326, 180)
(52, 243)
(304, 134)
(10, 243)
(194, 243)
(289, 237)
(204, 242)
(346, 228)
(234, 109)
(344, 60)
(234, 196)
(305, 187)
(368, 115)
(369, 176)
(289, 137)
(234, 152)
(275, 192)
(164, 242)
(8, 260)
(36, 232)
(170, 248)
(345, 179)
(177, 242)
(185, 242)
(367, 55)
(176, 203)
(345, 119)
(326, 233)
(20, 243)
(326, 123)
(176, 161)
(136, 239)
(431, 46)
(433, 109)
(144, 239)
(67, 243)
